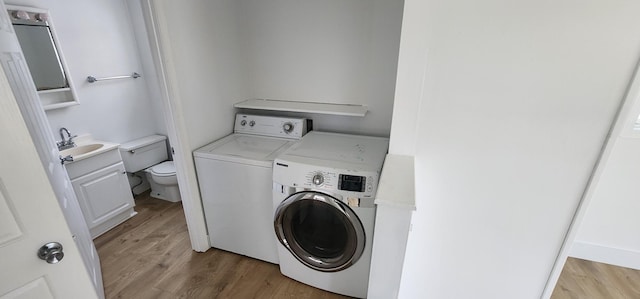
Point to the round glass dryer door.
(320, 231)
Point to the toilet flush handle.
(132, 151)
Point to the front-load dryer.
(234, 176)
(324, 211)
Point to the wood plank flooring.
(149, 256)
(581, 279)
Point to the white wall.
(148, 67)
(319, 51)
(209, 67)
(515, 103)
(97, 39)
(610, 226)
(609, 231)
(331, 51)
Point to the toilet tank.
(144, 152)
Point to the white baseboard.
(608, 255)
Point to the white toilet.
(150, 154)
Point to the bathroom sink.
(81, 150)
(92, 150)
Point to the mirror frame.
(58, 97)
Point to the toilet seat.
(163, 173)
(163, 169)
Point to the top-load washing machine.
(234, 176)
(324, 190)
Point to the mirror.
(42, 54)
(42, 57)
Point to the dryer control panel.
(352, 183)
(274, 126)
(347, 182)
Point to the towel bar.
(92, 79)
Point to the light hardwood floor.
(149, 256)
(582, 279)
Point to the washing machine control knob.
(243, 122)
(287, 127)
(318, 179)
(252, 123)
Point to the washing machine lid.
(166, 168)
(245, 148)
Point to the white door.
(30, 217)
(13, 68)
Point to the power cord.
(135, 175)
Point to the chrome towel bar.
(92, 79)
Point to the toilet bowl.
(163, 181)
(149, 154)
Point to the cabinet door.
(103, 194)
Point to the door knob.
(51, 252)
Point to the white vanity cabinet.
(101, 186)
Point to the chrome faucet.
(65, 143)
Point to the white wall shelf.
(59, 105)
(308, 107)
(57, 98)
